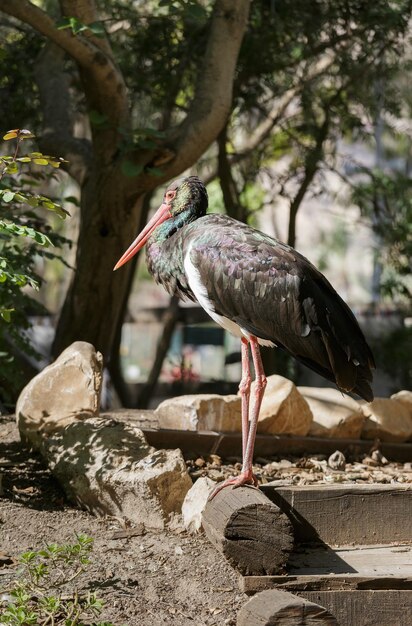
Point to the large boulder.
(201, 412)
(65, 391)
(108, 468)
(284, 410)
(389, 419)
(334, 413)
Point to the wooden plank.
(365, 608)
(370, 560)
(340, 582)
(345, 514)
(251, 532)
(230, 444)
(277, 608)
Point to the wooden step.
(359, 586)
(344, 514)
(316, 567)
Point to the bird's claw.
(245, 479)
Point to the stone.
(210, 412)
(195, 502)
(388, 419)
(284, 410)
(403, 396)
(335, 414)
(337, 461)
(65, 391)
(108, 468)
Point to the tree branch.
(311, 167)
(213, 96)
(108, 85)
(57, 137)
(228, 186)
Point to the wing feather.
(276, 294)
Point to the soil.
(152, 578)
(155, 579)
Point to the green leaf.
(155, 171)
(96, 118)
(8, 195)
(12, 168)
(25, 134)
(40, 161)
(6, 314)
(97, 29)
(11, 134)
(131, 169)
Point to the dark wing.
(276, 294)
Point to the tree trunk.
(93, 305)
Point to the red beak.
(162, 214)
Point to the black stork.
(260, 290)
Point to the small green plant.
(25, 237)
(44, 593)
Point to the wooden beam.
(251, 532)
(366, 608)
(277, 608)
(341, 582)
(230, 444)
(346, 514)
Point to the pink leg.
(244, 390)
(246, 477)
(259, 390)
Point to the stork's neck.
(175, 223)
(165, 254)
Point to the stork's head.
(184, 201)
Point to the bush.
(24, 237)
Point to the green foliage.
(386, 198)
(394, 356)
(18, 91)
(24, 238)
(44, 592)
(76, 26)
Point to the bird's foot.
(245, 479)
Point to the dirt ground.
(155, 579)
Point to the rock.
(201, 412)
(388, 419)
(283, 410)
(403, 396)
(335, 414)
(194, 503)
(65, 391)
(378, 458)
(142, 418)
(337, 461)
(108, 468)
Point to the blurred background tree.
(260, 97)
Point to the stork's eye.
(170, 195)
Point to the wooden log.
(252, 532)
(279, 608)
